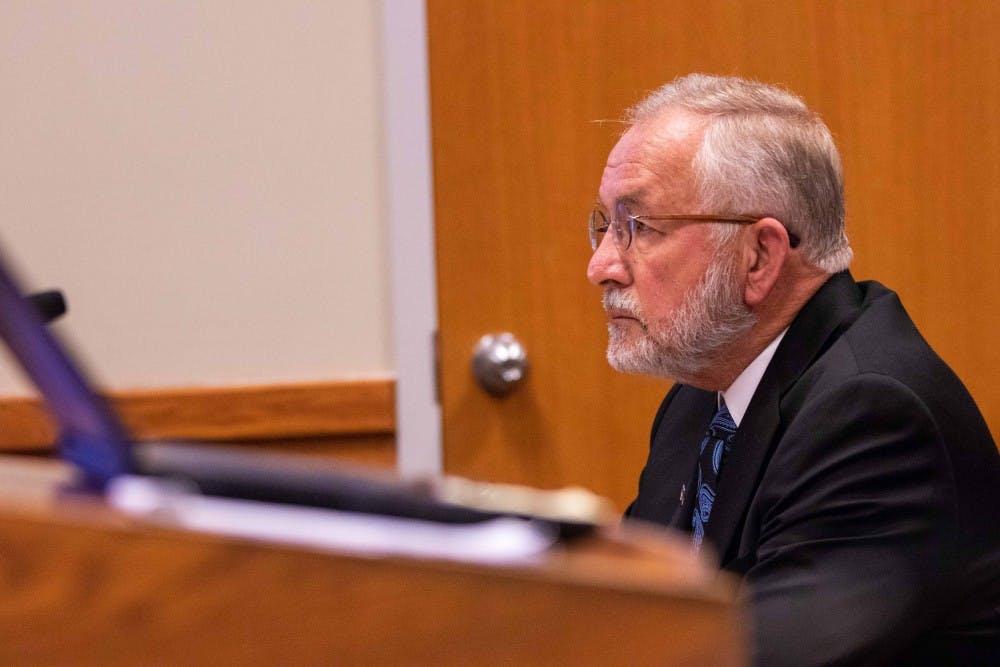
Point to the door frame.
(410, 214)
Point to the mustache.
(621, 301)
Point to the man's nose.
(607, 264)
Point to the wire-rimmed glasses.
(636, 228)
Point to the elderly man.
(814, 442)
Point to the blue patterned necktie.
(714, 448)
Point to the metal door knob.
(499, 363)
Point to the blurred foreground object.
(85, 585)
(50, 304)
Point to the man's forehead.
(651, 155)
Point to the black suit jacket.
(861, 499)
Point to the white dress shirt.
(739, 393)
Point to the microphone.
(50, 304)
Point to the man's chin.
(627, 358)
(622, 353)
(634, 360)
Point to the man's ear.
(768, 249)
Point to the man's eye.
(641, 227)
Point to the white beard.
(710, 318)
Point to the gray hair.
(764, 153)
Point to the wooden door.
(524, 100)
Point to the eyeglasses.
(637, 228)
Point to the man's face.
(673, 306)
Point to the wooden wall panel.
(351, 419)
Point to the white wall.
(204, 181)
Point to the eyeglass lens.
(599, 226)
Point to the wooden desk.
(83, 585)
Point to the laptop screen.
(89, 434)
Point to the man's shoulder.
(884, 337)
(883, 344)
(865, 329)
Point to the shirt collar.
(739, 393)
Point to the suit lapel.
(834, 306)
(666, 478)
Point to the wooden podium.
(83, 585)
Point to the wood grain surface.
(349, 419)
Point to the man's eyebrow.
(630, 201)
